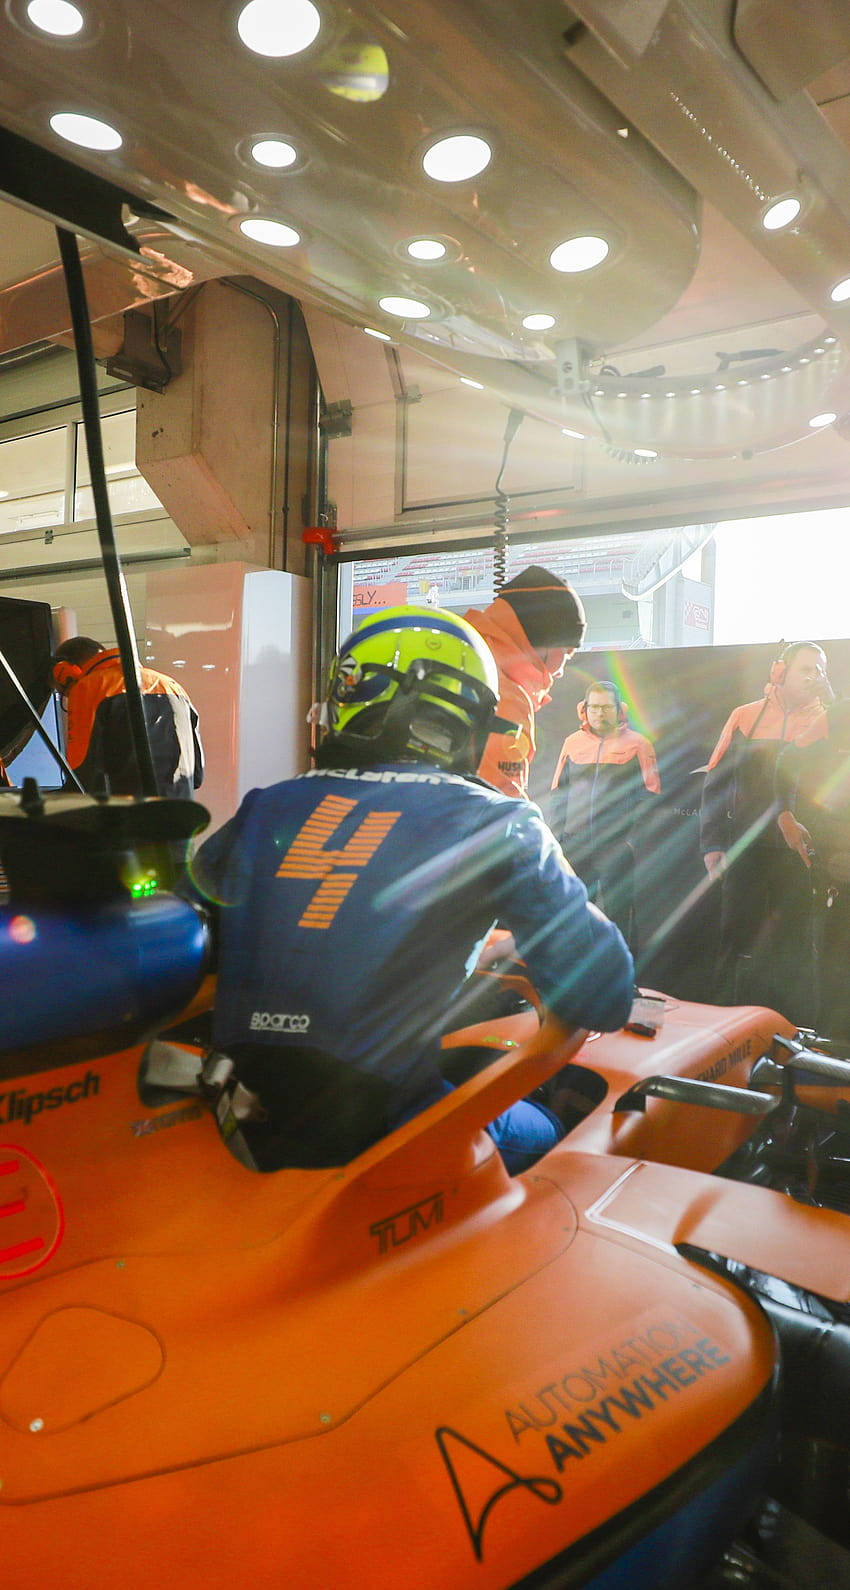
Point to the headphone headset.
(65, 673)
(779, 666)
(609, 686)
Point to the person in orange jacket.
(604, 774)
(533, 627)
(765, 915)
(89, 677)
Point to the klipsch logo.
(22, 1106)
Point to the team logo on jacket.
(278, 1021)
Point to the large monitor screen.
(26, 641)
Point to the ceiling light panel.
(57, 17)
(556, 171)
(278, 28)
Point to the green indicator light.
(143, 888)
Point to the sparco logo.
(20, 1106)
(278, 1021)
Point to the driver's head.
(410, 684)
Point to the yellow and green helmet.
(411, 682)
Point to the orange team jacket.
(603, 781)
(738, 794)
(99, 740)
(524, 684)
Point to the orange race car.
(410, 1369)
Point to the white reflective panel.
(127, 490)
(32, 481)
(841, 291)
(278, 27)
(818, 421)
(578, 254)
(456, 159)
(55, 16)
(86, 131)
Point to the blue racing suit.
(352, 906)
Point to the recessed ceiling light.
(622, 394)
(426, 248)
(646, 394)
(780, 214)
(820, 420)
(273, 152)
(804, 361)
(622, 132)
(275, 233)
(720, 386)
(86, 131)
(456, 159)
(695, 391)
(538, 322)
(278, 27)
(765, 376)
(479, 385)
(644, 452)
(743, 381)
(578, 254)
(669, 394)
(579, 435)
(786, 369)
(830, 340)
(55, 16)
(840, 291)
(405, 308)
(382, 336)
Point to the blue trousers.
(523, 1133)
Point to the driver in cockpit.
(352, 902)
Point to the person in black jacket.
(605, 774)
(813, 792)
(765, 919)
(90, 679)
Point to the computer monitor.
(26, 641)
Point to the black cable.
(115, 583)
(501, 512)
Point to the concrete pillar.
(229, 446)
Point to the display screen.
(26, 642)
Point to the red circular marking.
(32, 1220)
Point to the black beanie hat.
(548, 609)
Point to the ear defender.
(65, 673)
(778, 670)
